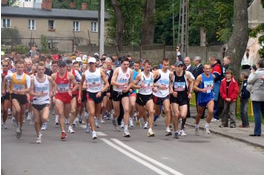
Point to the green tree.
(10, 36)
(44, 44)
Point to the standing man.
(162, 83)
(204, 86)
(144, 82)
(19, 86)
(121, 81)
(40, 90)
(217, 71)
(63, 96)
(95, 79)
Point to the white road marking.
(147, 158)
(134, 157)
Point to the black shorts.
(92, 97)
(7, 96)
(22, 99)
(74, 95)
(40, 107)
(158, 100)
(143, 99)
(84, 96)
(117, 96)
(180, 100)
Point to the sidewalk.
(240, 134)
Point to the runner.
(63, 96)
(6, 99)
(162, 83)
(95, 79)
(19, 86)
(204, 86)
(133, 95)
(180, 94)
(75, 92)
(144, 82)
(40, 90)
(121, 81)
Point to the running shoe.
(38, 139)
(122, 124)
(94, 135)
(28, 114)
(207, 130)
(4, 126)
(126, 133)
(146, 125)
(182, 133)
(63, 136)
(44, 126)
(131, 123)
(18, 132)
(97, 123)
(150, 133)
(80, 119)
(214, 120)
(67, 121)
(70, 130)
(14, 122)
(197, 131)
(168, 133)
(102, 121)
(56, 120)
(176, 135)
(114, 122)
(31, 123)
(87, 129)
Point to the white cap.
(108, 59)
(84, 57)
(92, 60)
(96, 54)
(78, 59)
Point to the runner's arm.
(197, 83)
(114, 78)
(137, 79)
(106, 83)
(81, 84)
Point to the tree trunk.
(120, 22)
(148, 27)
(202, 31)
(202, 36)
(238, 41)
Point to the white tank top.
(94, 81)
(147, 84)
(122, 78)
(44, 88)
(163, 80)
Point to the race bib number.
(63, 88)
(209, 86)
(179, 86)
(18, 87)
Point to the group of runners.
(89, 89)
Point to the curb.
(229, 136)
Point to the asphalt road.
(112, 154)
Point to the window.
(94, 27)
(76, 26)
(32, 24)
(6, 23)
(51, 25)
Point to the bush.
(44, 44)
(20, 49)
(10, 36)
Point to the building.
(64, 28)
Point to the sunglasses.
(5, 65)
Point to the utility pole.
(173, 24)
(101, 27)
(183, 33)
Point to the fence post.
(141, 51)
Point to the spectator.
(217, 71)
(33, 52)
(178, 55)
(247, 61)
(229, 92)
(256, 88)
(196, 72)
(227, 65)
(188, 65)
(244, 96)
